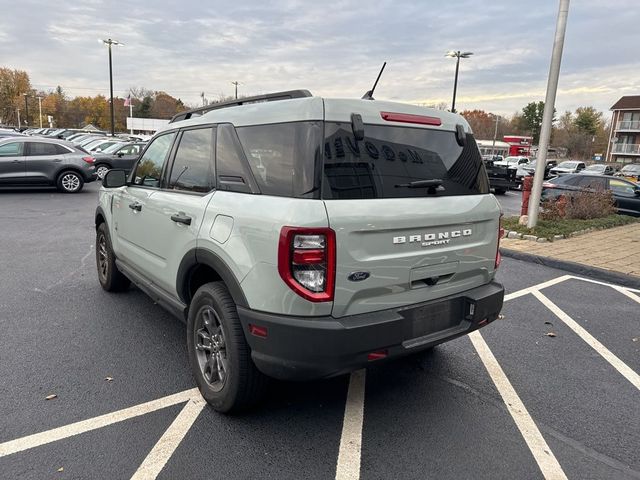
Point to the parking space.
(551, 390)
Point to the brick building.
(624, 136)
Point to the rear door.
(43, 161)
(12, 163)
(398, 245)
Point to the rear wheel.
(499, 191)
(219, 355)
(101, 170)
(111, 279)
(70, 182)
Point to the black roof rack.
(268, 97)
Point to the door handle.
(135, 206)
(181, 218)
(16, 160)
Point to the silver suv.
(302, 237)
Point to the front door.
(12, 163)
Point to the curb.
(578, 268)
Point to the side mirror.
(120, 154)
(114, 179)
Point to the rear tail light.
(307, 261)
(500, 235)
(89, 159)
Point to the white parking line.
(615, 362)
(546, 460)
(533, 288)
(162, 451)
(628, 293)
(42, 438)
(348, 467)
(598, 282)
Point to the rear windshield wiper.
(434, 185)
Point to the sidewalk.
(616, 250)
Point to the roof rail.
(268, 97)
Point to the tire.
(219, 355)
(111, 279)
(499, 191)
(69, 182)
(101, 170)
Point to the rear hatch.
(398, 242)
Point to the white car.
(569, 166)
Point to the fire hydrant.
(527, 184)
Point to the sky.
(332, 48)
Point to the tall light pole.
(40, 109)
(236, 83)
(547, 116)
(26, 109)
(110, 42)
(458, 55)
(495, 135)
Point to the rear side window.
(11, 149)
(389, 158)
(283, 156)
(193, 165)
(38, 149)
(60, 150)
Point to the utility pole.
(495, 135)
(19, 125)
(40, 109)
(458, 55)
(547, 116)
(236, 83)
(26, 109)
(109, 43)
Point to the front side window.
(384, 164)
(39, 149)
(149, 168)
(193, 165)
(620, 187)
(13, 149)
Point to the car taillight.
(89, 159)
(500, 235)
(548, 185)
(307, 261)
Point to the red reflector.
(89, 159)
(257, 331)
(301, 257)
(408, 118)
(483, 322)
(380, 354)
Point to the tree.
(587, 120)
(13, 84)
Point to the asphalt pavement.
(551, 390)
(511, 203)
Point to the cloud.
(333, 48)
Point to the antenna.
(369, 94)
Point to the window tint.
(149, 168)
(620, 187)
(193, 165)
(11, 149)
(283, 156)
(60, 150)
(232, 171)
(381, 165)
(592, 182)
(36, 149)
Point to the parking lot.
(550, 391)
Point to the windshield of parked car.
(635, 169)
(568, 165)
(595, 168)
(113, 148)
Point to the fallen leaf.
(548, 323)
(551, 334)
(51, 397)
(636, 339)
(108, 379)
(61, 469)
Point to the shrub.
(583, 205)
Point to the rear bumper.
(303, 348)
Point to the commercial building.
(624, 136)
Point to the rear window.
(390, 157)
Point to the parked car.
(530, 168)
(598, 169)
(568, 166)
(33, 161)
(626, 194)
(99, 145)
(630, 172)
(298, 265)
(121, 155)
(6, 133)
(501, 176)
(514, 161)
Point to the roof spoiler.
(268, 97)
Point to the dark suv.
(30, 161)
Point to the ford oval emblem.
(358, 276)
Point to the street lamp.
(110, 42)
(40, 109)
(26, 109)
(458, 55)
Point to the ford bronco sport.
(302, 237)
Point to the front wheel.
(219, 355)
(101, 170)
(70, 182)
